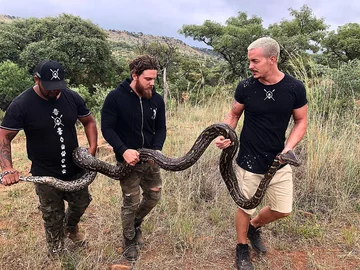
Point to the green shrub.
(94, 101)
(13, 81)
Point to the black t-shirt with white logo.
(268, 109)
(50, 130)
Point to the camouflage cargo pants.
(52, 206)
(147, 176)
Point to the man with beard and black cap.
(47, 112)
(133, 117)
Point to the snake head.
(290, 158)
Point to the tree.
(12, 42)
(230, 40)
(299, 36)
(343, 45)
(79, 45)
(13, 80)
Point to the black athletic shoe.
(243, 257)
(130, 251)
(254, 235)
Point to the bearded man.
(133, 117)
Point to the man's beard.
(144, 92)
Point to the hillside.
(124, 42)
(6, 18)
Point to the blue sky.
(166, 17)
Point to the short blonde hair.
(270, 46)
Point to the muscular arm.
(6, 136)
(299, 128)
(232, 119)
(89, 124)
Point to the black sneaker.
(255, 239)
(130, 251)
(243, 257)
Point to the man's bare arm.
(232, 118)
(299, 128)
(6, 136)
(89, 124)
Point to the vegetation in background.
(342, 45)
(79, 45)
(13, 81)
(97, 58)
(230, 41)
(301, 35)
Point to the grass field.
(192, 227)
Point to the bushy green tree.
(342, 45)
(95, 100)
(81, 46)
(299, 36)
(12, 41)
(13, 81)
(230, 40)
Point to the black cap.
(51, 74)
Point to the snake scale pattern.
(68, 186)
(92, 165)
(85, 160)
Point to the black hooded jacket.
(131, 122)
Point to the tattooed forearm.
(5, 154)
(5, 150)
(234, 114)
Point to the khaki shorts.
(279, 192)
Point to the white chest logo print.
(57, 123)
(154, 114)
(269, 94)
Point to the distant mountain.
(124, 42)
(126, 39)
(7, 18)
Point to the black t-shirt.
(50, 130)
(268, 109)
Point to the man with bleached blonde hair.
(270, 47)
(268, 99)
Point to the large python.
(92, 164)
(84, 160)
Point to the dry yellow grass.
(192, 227)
